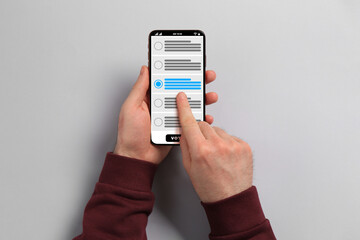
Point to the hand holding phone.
(134, 126)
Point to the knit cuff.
(234, 214)
(127, 172)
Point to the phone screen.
(176, 63)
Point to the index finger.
(190, 128)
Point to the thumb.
(138, 91)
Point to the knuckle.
(235, 146)
(127, 108)
(222, 147)
(202, 124)
(203, 152)
(238, 149)
(217, 129)
(246, 148)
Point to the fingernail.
(142, 70)
(181, 95)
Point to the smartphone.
(177, 63)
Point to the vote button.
(173, 137)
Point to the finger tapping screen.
(176, 64)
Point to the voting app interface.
(177, 64)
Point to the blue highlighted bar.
(181, 84)
(176, 79)
(175, 88)
(192, 85)
(194, 82)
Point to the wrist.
(126, 153)
(132, 150)
(141, 151)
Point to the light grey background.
(289, 84)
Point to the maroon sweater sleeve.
(121, 202)
(238, 217)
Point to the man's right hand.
(219, 165)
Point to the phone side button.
(173, 137)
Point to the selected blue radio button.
(158, 83)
